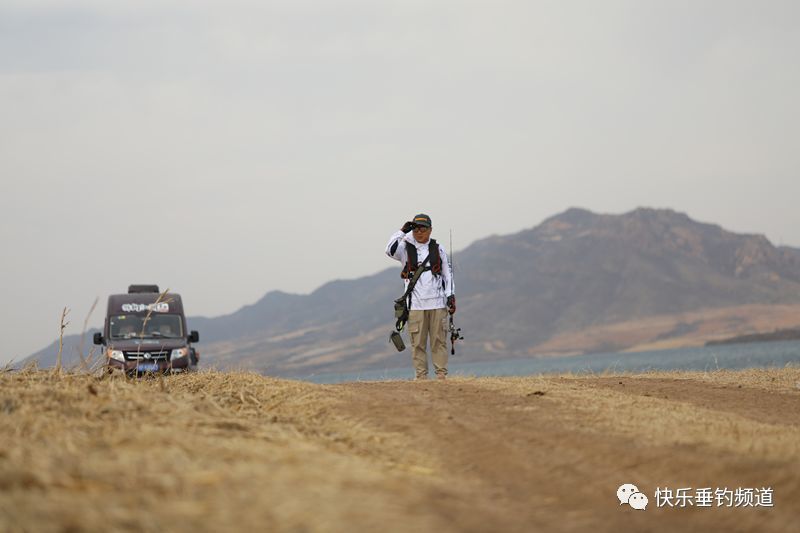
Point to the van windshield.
(158, 326)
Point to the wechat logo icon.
(629, 494)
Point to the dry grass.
(203, 451)
(785, 380)
(212, 451)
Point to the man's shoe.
(441, 377)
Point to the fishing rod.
(455, 333)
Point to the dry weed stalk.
(63, 325)
(161, 298)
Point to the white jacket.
(431, 291)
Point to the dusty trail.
(776, 408)
(527, 457)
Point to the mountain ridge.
(576, 271)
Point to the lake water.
(732, 356)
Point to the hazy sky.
(225, 149)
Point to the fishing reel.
(455, 335)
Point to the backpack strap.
(405, 299)
(410, 268)
(411, 261)
(436, 258)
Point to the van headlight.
(116, 355)
(179, 352)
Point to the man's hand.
(408, 226)
(451, 304)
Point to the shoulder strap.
(411, 261)
(405, 299)
(411, 265)
(436, 257)
(413, 281)
(417, 273)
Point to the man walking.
(433, 295)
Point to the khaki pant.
(421, 325)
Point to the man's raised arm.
(395, 248)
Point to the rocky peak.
(669, 234)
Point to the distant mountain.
(773, 336)
(75, 350)
(578, 282)
(580, 269)
(791, 251)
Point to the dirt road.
(513, 454)
(550, 453)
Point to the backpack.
(412, 261)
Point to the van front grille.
(147, 355)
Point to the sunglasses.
(422, 229)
